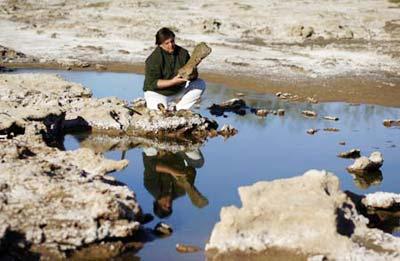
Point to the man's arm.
(163, 84)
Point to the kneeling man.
(162, 83)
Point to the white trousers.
(188, 96)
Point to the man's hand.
(178, 80)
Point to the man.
(161, 83)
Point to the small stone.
(312, 100)
(312, 131)
(100, 67)
(239, 94)
(364, 164)
(309, 113)
(163, 229)
(331, 129)
(227, 131)
(181, 248)
(331, 118)
(391, 123)
(352, 154)
(262, 112)
(278, 94)
(342, 143)
(281, 112)
(53, 35)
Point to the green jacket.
(165, 66)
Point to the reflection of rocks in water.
(168, 176)
(103, 143)
(365, 180)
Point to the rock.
(240, 94)
(35, 96)
(364, 164)
(303, 31)
(331, 118)
(307, 215)
(352, 154)
(62, 200)
(235, 105)
(211, 26)
(381, 200)
(100, 67)
(345, 33)
(309, 113)
(227, 131)
(181, 248)
(331, 129)
(391, 123)
(286, 96)
(281, 112)
(53, 35)
(188, 71)
(262, 112)
(7, 54)
(312, 131)
(163, 229)
(312, 100)
(342, 143)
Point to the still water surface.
(264, 149)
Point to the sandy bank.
(350, 49)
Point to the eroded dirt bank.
(336, 50)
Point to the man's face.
(165, 203)
(168, 45)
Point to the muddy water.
(264, 149)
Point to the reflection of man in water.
(168, 176)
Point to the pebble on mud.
(181, 248)
(351, 154)
(309, 113)
(100, 67)
(311, 100)
(281, 112)
(163, 229)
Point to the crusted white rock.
(307, 214)
(381, 200)
(62, 200)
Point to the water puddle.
(202, 179)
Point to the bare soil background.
(334, 50)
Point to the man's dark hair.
(164, 34)
(159, 212)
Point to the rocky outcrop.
(61, 200)
(305, 216)
(27, 97)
